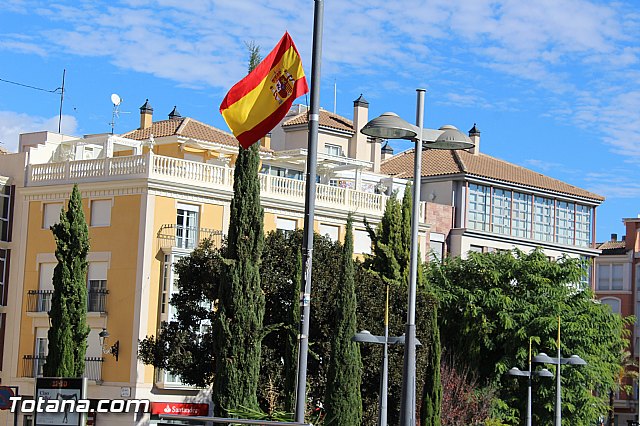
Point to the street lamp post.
(558, 360)
(365, 336)
(515, 371)
(390, 126)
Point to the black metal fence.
(186, 237)
(40, 300)
(32, 366)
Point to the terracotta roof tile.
(612, 245)
(186, 127)
(446, 162)
(327, 119)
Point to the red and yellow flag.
(258, 102)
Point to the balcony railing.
(171, 235)
(33, 366)
(203, 175)
(40, 301)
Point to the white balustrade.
(208, 175)
(86, 168)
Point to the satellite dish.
(115, 99)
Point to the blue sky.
(553, 85)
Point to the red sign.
(179, 409)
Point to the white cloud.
(12, 124)
(581, 55)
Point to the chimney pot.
(146, 115)
(474, 135)
(614, 237)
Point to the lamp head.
(576, 360)
(451, 138)
(389, 126)
(543, 358)
(515, 371)
(544, 373)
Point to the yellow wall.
(120, 239)
(165, 211)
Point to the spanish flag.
(258, 102)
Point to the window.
(501, 211)
(437, 250)
(478, 207)
(294, 174)
(100, 212)
(51, 214)
(543, 219)
(286, 225)
(361, 242)
(40, 353)
(521, 215)
(187, 226)
(4, 275)
(45, 289)
(610, 277)
(565, 218)
(5, 213)
(585, 280)
(475, 249)
(97, 286)
(583, 225)
(332, 149)
(332, 231)
(169, 287)
(613, 303)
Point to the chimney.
(173, 114)
(266, 141)
(474, 135)
(146, 115)
(359, 147)
(614, 237)
(387, 151)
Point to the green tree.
(432, 391)
(292, 346)
(491, 304)
(389, 265)
(184, 345)
(281, 273)
(343, 401)
(386, 240)
(68, 315)
(238, 328)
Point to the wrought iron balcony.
(32, 366)
(171, 235)
(40, 301)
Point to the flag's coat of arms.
(257, 103)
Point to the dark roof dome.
(146, 107)
(174, 113)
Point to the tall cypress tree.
(68, 315)
(386, 241)
(238, 330)
(291, 351)
(343, 400)
(432, 391)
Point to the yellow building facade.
(149, 197)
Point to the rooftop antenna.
(116, 101)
